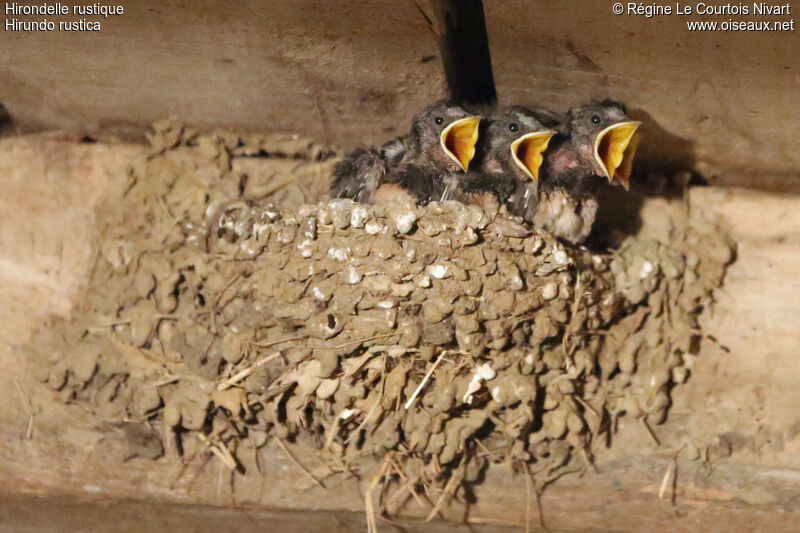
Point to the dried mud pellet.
(147, 401)
(436, 310)
(57, 377)
(566, 386)
(231, 399)
(575, 423)
(466, 323)
(438, 334)
(327, 388)
(232, 348)
(549, 291)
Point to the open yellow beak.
(614, 150)
(458, 140)
(528, 151)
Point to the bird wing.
(426, 185)
(358, 175)
(396, 150)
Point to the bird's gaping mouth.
(458, 140)
(528, 151)
(614, 150)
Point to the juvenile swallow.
(598, 143)
(424, 163)
(511, 153)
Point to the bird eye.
(513, 127)
(595, 119)
(439, 121)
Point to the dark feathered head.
(603, 136)
(446, 135)
(515, 142)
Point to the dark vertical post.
(465, 51)
(5, 118)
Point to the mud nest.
(220, 314)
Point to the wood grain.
(343, 72)
(719, 102)
(354, 72)
(49, 189)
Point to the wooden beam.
(465, 51)
(738, 409)
(355, 72)
(719, 102)
(345, 73)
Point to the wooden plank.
(67, 514)
(50, 187)
(344, 72)
(720, 102)
(757, 318)
(354, 72)
(746, 396)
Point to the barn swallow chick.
(424, 163)
(598, 143)
(511, 155)
(599, 140)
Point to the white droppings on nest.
(353, 276)
(374, 227)
(560, 256)
(305, 248)
(285, 235)
(438, 271)
(481, 373)
(348, 413)
(405, 221)
(212, 210)
(340, 212)
(358, 216)
(271, 215)
(550, 291)
(310, 228)
(250, 248)
(259, 229)
(647, 269)
(470, 235)
(319, 294)
(339, 254)
(496, 393)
